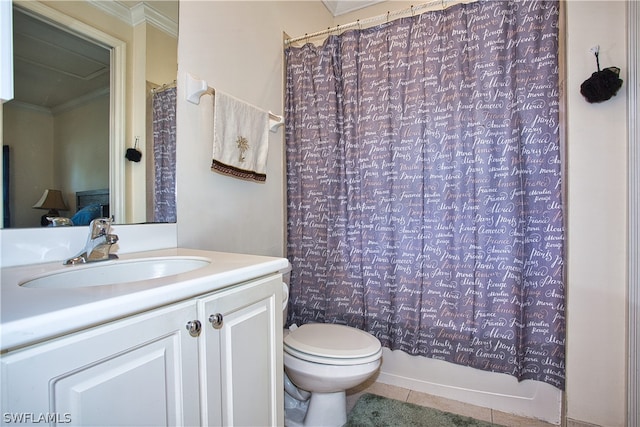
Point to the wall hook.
(596, 51)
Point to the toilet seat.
(332, 344)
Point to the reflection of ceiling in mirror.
(53, 66)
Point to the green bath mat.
(377, 411)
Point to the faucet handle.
(100, 227)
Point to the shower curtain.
(424, 186)
(164, 154)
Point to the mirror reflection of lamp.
(53, 201)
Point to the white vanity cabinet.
(241, 353)
(150, 369)
(135, 371)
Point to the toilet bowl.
(326, 360)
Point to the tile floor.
(423, 399)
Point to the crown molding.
(341, 7)
(142, 12)
(138, 14)
(29, 107)
(70, 105)
(79, 101)
(113, 8)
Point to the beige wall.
(236, 47)
(29, 134)
(597, 231)
(81, 151)
(161, 56)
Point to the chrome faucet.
(98, 243)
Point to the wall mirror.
(84, 76)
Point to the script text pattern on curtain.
(424, 186)
(164, 152)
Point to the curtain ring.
(412, 14)
(387, 16)
(359, 27)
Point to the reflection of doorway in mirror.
(57, 125)
(142, 41)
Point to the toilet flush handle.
(216, 320)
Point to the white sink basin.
(114, 272)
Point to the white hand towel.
(240, 138)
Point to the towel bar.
(195, 88)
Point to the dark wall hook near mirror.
(133, 154)
(603, 84)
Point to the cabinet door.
(138, 371)
(241, 357)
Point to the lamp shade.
(52, 200)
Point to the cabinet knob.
(216, 320)
(194, 327)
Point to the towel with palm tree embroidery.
(240, 138)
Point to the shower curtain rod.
(360, 23)
(164, 87)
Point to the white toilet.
(325, 360)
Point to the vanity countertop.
(31, 315)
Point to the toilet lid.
(332, 341)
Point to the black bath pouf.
(133, 155)
(602, 85)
